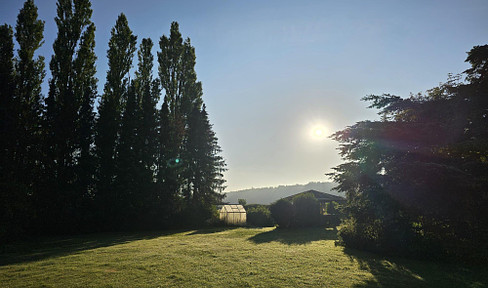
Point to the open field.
(220, 257)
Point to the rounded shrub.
(259, 216)
(307, 210)
(282, 212)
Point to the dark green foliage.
(122, 45)
(68, 182)
(204, 166)
(28, 107)
(146, 144)
(7, 102)
(85, 91)
(63, 170)
(259, 216)
(303, 211)
(126, 188)
(147, 90)
(21, 126)
(190, 168)
(29, 76)
(307, 210)
(282, 212)
(418, 178)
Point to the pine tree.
(122, 45)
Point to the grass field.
(220, 257)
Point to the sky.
(279, 76)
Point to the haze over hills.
(268, 195)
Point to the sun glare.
(318, 132)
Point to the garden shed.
(233, 214)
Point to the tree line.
(67, 166)
(416, 181)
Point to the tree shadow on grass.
(48, 247)
(294, 236)
(401, 272)
(212, 230)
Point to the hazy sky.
(273, 70)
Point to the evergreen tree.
(416, 180)
(69, 107)
(166, 177)
(122, 45)
(204, 166)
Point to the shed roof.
(320, 196)
(233, 209)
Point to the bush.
(307, 210)
(282, 212)
(259, 216)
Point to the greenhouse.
(233, 214)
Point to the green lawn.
(239, 257)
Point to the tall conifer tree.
(204, 166)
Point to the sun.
(318, 132)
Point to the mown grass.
(219, 257)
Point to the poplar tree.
(85, 88)
(11, 197)
(122, 45)
(29, 74)
(72, 90)
(7, 85)
(127, 183)
(166, 178)
(147, 89)
(147, 97)
(190, 157)
(182, 92)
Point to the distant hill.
(270, 194)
